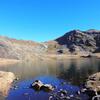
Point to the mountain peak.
(93, 31)
(77, 40)
(75, 31)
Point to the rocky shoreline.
(91, 87)
(93, 82)
(6, 80)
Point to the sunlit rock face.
(20, 49)
(6, 79)
(93, 82)
(78, 41)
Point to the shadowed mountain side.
(77, 41)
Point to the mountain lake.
(68, 74)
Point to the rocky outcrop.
(92, 87)
(93, 82)
(77, 41)
(80, 41)
(6, 79)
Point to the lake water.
(72, 71)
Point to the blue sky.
(42, 20)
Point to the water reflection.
(73, 70)
(78, 70)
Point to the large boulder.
(6, 79)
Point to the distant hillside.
(72, 42)
(19, 49)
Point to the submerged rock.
(6, 79)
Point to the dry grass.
(62, 56)
(4, 61)
(97, 55)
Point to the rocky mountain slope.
(76, 41)
(19, 49)
(72, 42)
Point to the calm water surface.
(73, 71)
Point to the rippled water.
(73, 71)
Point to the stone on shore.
(6, 79)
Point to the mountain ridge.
(72, 42)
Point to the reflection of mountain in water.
(73, 70)
(77, 75)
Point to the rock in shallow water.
(38, 85)
(47, 87)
